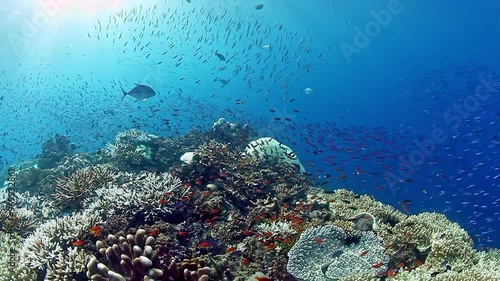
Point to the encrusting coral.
(324, 253)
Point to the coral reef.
(269, 149)
(71, 164)
(233, 134)
(70, 191)
(54, 150)
(134, 257)
(324, 253)
(34, 179)
(145, 197)
(136, 211)
(54, 245)
(31, 211)
(127, 258)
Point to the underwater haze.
(396, 99)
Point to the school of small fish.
(204, 62)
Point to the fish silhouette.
(139, 92)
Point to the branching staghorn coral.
(67, 264)
(24, 220)
(42, 208)
(72, 190)
(8, 272)
(52, 241)
(148, 194)
(113, 149)
(279, 228)
(32, 210)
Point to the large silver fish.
(139, 92)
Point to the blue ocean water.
(404, 104)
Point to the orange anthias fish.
(391, 272)
(154, 232)
(206, 243)
(270, 247)
(95, 230)
(318, 240)
(377, 265)
(246, 232)
(230, 249)
(78, 242)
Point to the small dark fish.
(178, 205)
(139, 92)
(434, 274)
(236, 253)
(337, 254)
(223, 81)
(259, 6)
(221, 56)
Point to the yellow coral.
(346, 226)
